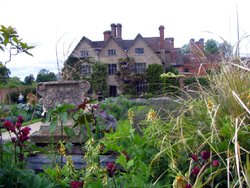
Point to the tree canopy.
(44, 76)
(211, 46)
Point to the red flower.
(216, 163)
(23, 138)
(20, 119)
(111, 167)
(76, 184)
(25, 131)
(196, 170)
(194, 157)
(83, 105)
(18, 124)
(205, 155)
(9, 126)
(188, 186)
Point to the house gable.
(148, 56)
(84, 49)
(113, 46)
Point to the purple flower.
(205, 155)
(196, 170)
(216, 163)
(194, 157)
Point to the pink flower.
(216, 163)
(205, 155)
(76, 184)
(196, 170)
(194, 157)
(111, 167)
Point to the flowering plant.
(18, 136)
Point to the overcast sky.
(60, 24)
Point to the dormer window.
(111, 52)
(84, 53)
(139, 51)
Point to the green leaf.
(130, 163)
(63, 117)
(53, 124)
(122, 160)
(69, 131)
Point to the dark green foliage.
(4, 75)
(44, 76)
(24, 90)
(12, 176)
(211, 46)
(98, 78)
(127, 76)
(153, 77)
(28, 80)
(202, 80)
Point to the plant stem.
(113, 178)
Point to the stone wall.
(60, 92)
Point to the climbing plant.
(127, 77)
(98, 78)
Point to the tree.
(185, 49)
(11, 43)
(28, 80)
(226, 49)
(14, 82)
(45, 76)
(212, 46)
(153, 73)
(4, 74)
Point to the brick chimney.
(106, 35)
(113, 30)
(119, 31)
(162, 43)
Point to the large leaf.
(69, 131)
(53, 124)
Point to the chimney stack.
(119, 31)
(113, 30)
(162, 43)
(106, 35)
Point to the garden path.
(34, 127)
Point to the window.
(85, 70)
(140, 68)
(139, 51)
(112, 69)
(186, 70)
(111, 52)
(84, 53)
(141, 87)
